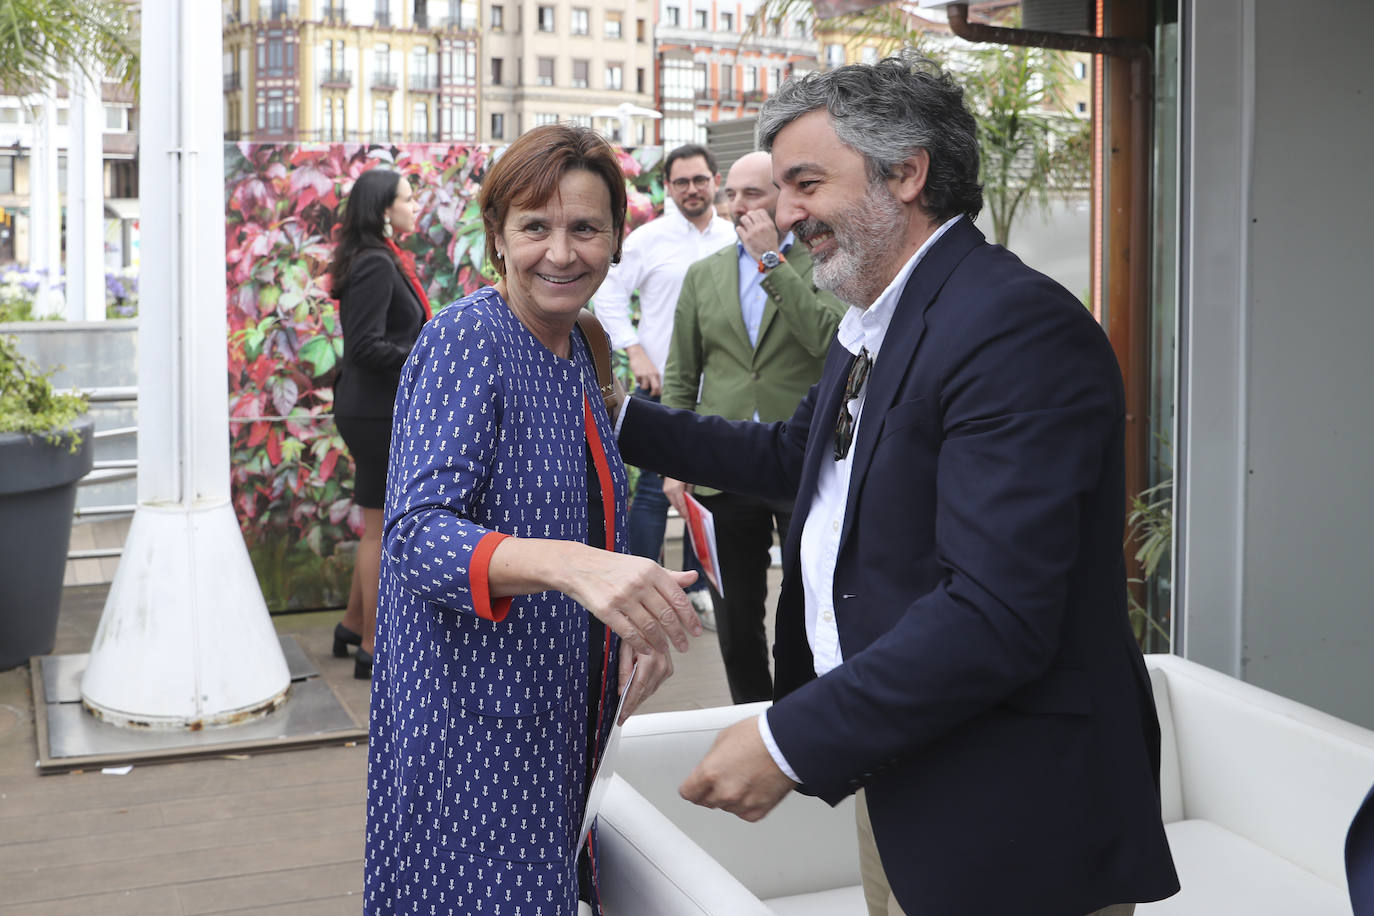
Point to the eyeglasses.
(844, 423)
(699, 182)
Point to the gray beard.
(865, 236)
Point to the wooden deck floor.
(266, 834)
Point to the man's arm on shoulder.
(1029, 410)
(811, 314)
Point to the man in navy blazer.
(952, 636)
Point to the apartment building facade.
(718, 60)
(545, 61)
(376, 71)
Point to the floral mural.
(291, 475)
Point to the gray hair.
(885, 112)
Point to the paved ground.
(271, 833)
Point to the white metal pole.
(85, 202)
(45, 213)
(185, 640)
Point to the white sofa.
(1257, 793)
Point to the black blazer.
(381, 316)
(992, 699)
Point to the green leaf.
(319, 353)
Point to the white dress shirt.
(654, 261)
(860, 329)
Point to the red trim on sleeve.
(482, 604)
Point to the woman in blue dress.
(503, 476)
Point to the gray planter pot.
(37, 496)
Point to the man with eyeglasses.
(654, 261)
(952, 643)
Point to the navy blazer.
(381, 316)
(992, 700)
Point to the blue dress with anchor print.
(478, 738)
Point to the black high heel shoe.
(343, 638)
(362, 665)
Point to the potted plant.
(45, 448)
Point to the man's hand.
(757, 233)
(738, 775)
(676, 492)
(645, 372)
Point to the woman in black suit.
(382, 306)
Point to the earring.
(386, 226)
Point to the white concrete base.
(185, 640)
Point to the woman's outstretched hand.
(638, 599)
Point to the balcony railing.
(754, 96)
(335, 13)
(383, 79)
(422, 20)
(456, 22)
(336, 79)
(231, 82)
(424, 82)
(382, 19)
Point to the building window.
(1080, 69)
(699, 81)
(613, 76)
(498, 126)
(542, 118)
(546, 19)
(868, 55)
(639, 80)
(834, 55)
(775, 27)
(639, 31)
(674, 16)
(613, 27)
(382, 14)
(751, 79)
(419, 122)
(381, 119)
(799, 28)
(580, 22)
(1081, 107)
(498, 17)
(777, 79)
(116, 119)
(727, 81)
(497, 64)
(727, 22)
(580, 69)
(276, 55)
(545, 71)
(700, 19)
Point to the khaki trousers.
(878, 893)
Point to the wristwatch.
(770, 260)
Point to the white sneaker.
(706, 610)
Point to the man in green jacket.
(749, 339)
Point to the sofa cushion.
(842, 901)
(1224, 873)
(1283, 775)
